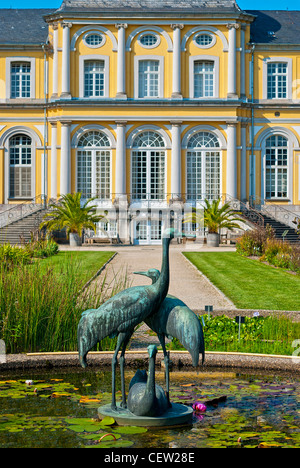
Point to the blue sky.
(245, 4)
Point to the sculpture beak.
(140, 273)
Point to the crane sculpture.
(175, 319)
(145, 397)
(119, 316)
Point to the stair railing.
(22, 210)
(247, 211)
(277, 212)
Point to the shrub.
(279, 254)
(270, 335)
(276, 248)
(45, 248)
(252, 243)
(295, 259)
(11, 255)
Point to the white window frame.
(152, 33)
(92, 58)
(91, 33)
(93, 150)
(289, 83)
(148, 150)
(8, 63)
(203, 150)
(275, 167)
(204, 58)
(207, 33)
(156, 58)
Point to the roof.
(275, 27)
(26, 27)
(191, 6)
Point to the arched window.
(203, 167)
(20, 166)
(148, 166)
(276, 167)
(94, 165)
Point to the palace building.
(151, 107)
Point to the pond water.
(59, 409)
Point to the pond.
(59, 409)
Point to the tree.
(71, 214)
(214, 217)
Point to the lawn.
(88, 263)
(248, 283)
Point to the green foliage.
(252, 242)
(262, 243)
(214, 216)
(41, 304)
(72, 214)
(269, 335)
(42, 248)
(11, 256)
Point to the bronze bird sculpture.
(174, 319)
(145, 397)
(119, 316)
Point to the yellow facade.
(190, 77)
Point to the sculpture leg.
(114, 365)
(167, 364)
(122, 365)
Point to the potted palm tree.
(73, 215)
(215, 216)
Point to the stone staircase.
(290, 234)
(261, 219)
(21, 229)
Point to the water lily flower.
(29, 382)
(199, 407)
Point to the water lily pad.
(88, 425)
(107, 421)
(130, 430)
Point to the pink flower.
(199, 407)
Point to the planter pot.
(75, 240)
(213, 239)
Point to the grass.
(248, 283)
(41, 303)
(89, 263)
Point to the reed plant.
(40, 307)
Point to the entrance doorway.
(148, 232)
